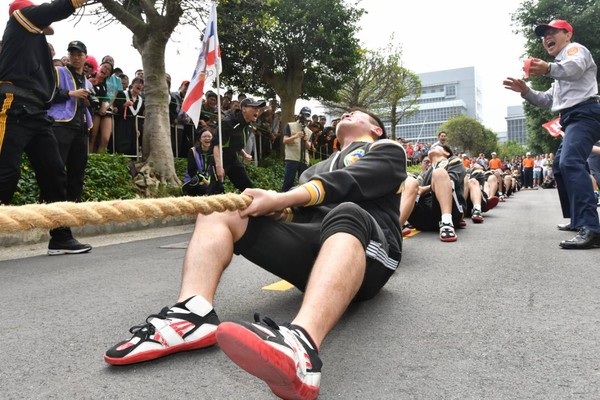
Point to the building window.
(450, 90)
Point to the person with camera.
(27, 87)
(297, 141)
(72, 118)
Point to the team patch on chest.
(353, 156)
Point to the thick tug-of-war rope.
(66, 214)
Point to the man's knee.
(348, 218)
(228, 219)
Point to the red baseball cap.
(540, 30)
(17, 5)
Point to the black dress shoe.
(585, 239)
(565, 227)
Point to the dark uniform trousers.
(582, 130)
(26, 126)
(73, 147)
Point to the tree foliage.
(292, 48)
(510, 149)
(469, 135)
(583, 15)
(380, 84)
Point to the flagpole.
(217, 49)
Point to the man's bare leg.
(210, 251)
(441, 185)
(334, 281)
(192, 322)
(408, 198)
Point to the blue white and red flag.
(207, 68)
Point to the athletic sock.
(196, 304)
(447, 219)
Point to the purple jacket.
(66, 111)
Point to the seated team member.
(200, 178)
(425, 165)
(477, 200)
(437, 202)
(507, 184)
(516, 177)
(347, 252)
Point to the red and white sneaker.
(188, 325)
(284, 356)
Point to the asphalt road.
(503, 313)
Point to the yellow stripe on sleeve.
(316, 191)
(25, 23)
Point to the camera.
(94, 101)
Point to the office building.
(445, 94)
(516, 124)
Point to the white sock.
(198, 305)
(477, 207)
(447, 219)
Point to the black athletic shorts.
(426, 214)
(289, 250)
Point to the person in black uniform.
(235, 130)
(336, 237)
(27, 87)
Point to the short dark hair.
(447, 149)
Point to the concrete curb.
(41, 235)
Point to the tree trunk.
(288, 87)
(157, 154)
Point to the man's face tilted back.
(355, 125)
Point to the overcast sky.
(434, 35)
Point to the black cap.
(250, 102)
(305, 111)
(77, 45)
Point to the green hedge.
(107, 177)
